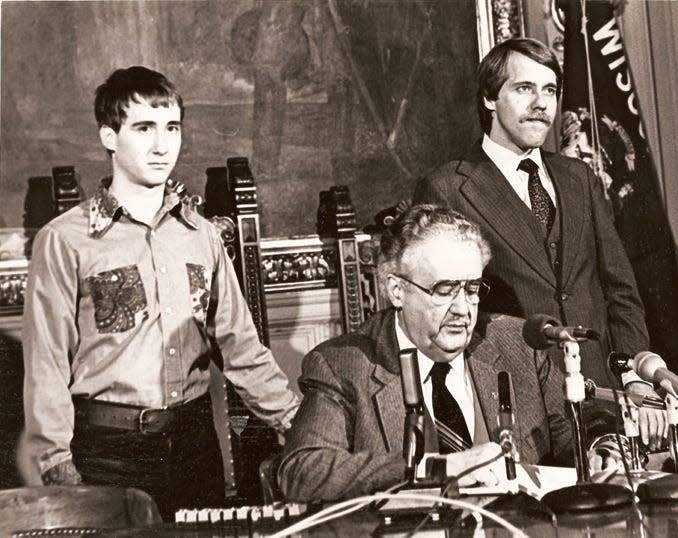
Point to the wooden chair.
(231, 205)
(268, 478)
(73, 510)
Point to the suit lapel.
(387, 395)
(570, 192)
(485, 361)
(488, 191)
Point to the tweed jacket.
(590, 284)
(347, 437)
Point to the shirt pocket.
(118, 296)
(200, 283)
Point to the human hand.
(479, 465)
(653, 424)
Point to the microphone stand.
(584, 495)
(413, 442)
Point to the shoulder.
(66, 227)
(355, 354)
(576, 166)
(499, 330)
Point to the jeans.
(179, 469)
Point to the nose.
(160, 143)
(459, 305)
(539, 100)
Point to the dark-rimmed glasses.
(444, 291)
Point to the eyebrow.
(152, 123)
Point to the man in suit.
(347, 437)
(555, 248)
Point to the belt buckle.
(142, 424)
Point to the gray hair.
(418, 224)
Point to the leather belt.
(90, 412)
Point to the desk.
(659, 521)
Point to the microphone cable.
(346, 507)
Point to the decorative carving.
(336, 218)
(12, 292)
(498, 20)
(231, 205)
(507, 19)
(306, 269)
(67, 190)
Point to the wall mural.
(314, 92)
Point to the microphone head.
(410, 378)
(533, 330)
(646, 363)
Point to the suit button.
(564, 296)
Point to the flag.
(601, 124)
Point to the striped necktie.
(453, 434)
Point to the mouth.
(158, 165)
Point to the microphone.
(541, 331)
(413, 441)
(594, 392)
(410, 378)
(506, 421)
(649, 367)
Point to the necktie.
(453, 435)
(542, 206)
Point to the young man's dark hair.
(492, 71)
(125, 85)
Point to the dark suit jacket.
(346, 439)
(593, 286)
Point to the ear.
(490, 105)
(394, 290)
(108, 137)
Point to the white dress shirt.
(458, 380)
(508, 162)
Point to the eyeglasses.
(444, 291)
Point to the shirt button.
(168, 310)
(553, 244)
(564, 296)
(163, 269)
(174, 394)
(171, 351)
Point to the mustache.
(544, 118)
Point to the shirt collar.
(425, 362)
(506, 160)
(104, 208)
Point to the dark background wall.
(309, 90)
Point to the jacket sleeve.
(248, 364)
(625, 312)
(319, 463)
(50, 338)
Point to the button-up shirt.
(507, 162)
(125, 312)
(458, 380)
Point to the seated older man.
(347, 438)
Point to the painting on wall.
(314, 92)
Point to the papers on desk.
(535, 480)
